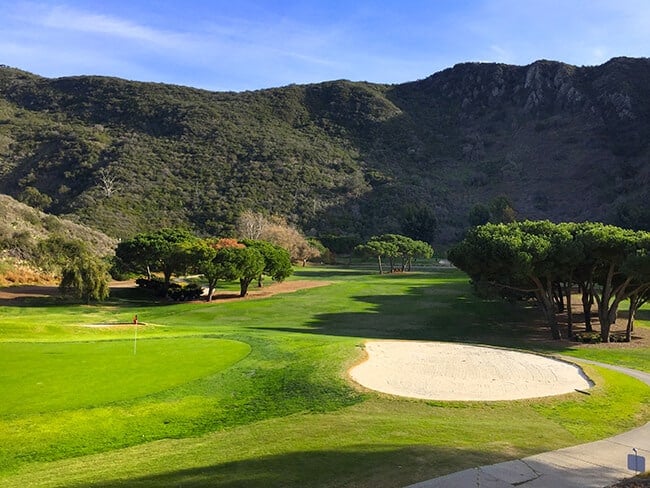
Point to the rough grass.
(284, 415)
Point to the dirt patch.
(19, 293)
(269, 290)
(28, 291)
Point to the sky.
(241, 45)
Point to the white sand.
(444, 371)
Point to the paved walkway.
(596, 464)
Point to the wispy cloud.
(74, 20)
(65, 19)
(253, 43)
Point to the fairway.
(256, 392)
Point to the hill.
(559, 141)
(22, 221)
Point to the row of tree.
(179, 252)
(608, 264)
(397, 249)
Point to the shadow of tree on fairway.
(357, 466)
(444, 312)
(51, 297)
(643, 314)
(330, 273)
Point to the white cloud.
(74, 20)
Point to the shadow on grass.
(643, 314)
(331, 273)
(361, 466)
(50, 297)
(445, 311)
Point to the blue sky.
(250, 44)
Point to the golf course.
(256, 392)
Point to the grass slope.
(283, 415)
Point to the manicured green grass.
(282, 414)
(50, 377)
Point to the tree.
(170, 251)
(277, 261)
(106, 181)
(34, 198)
(246, 264)
(619, 260)
(420, 223)
(611, 264)
(479, 215)
(250, 225)
(275, 229)
(86, 278)
(57, 252)
(395, 246)
(502, 211)
(377, 249)
(526, 257)
(213, 264)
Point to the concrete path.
(597, 464)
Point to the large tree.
(213, 263)
(277, 261)
(247, 264)
(419, 223)
(85, 277)
(610, 264)
(620, 267)
(57, 252)
(395, 246)
(170, 251)
(522, 256)
(377, 249)
(277, 230)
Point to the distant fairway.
(255, 392)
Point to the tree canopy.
(170, 251)
(540, 257)
(395, 247)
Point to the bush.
(156, 285)
(587, 337)
(180, 293)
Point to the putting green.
(46, 377)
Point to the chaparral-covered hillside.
(343, 158)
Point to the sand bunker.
(444, 371)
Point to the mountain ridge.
(339, 157)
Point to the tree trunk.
(558, 296)
(548, 308)
(381, 271)
(259, 281)
(168, 277)
(211, 286)
(148, 273)
(569, 313)
(630, 321)
(546, 301)
(243, 286)
(607, 316)
(608, 302)
(587, 304)
(636, 302)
